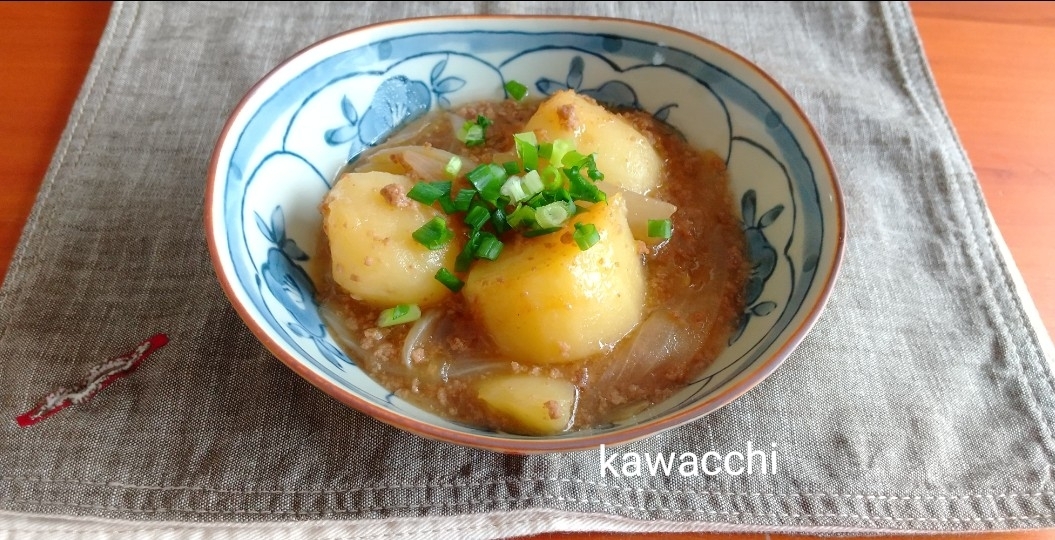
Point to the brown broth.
(704, 261)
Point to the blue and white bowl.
(285, 141)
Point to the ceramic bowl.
(279, 151)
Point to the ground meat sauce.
(706, 252)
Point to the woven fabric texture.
(921, 400)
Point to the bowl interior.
(284, 143)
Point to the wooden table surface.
(994, 63)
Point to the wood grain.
(993, 63)
(45, 51)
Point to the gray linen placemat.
(922, 399)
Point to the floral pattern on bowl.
(299, 125)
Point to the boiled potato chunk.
(544, 300)
(374, 255)
(530, 405)
(624, 155)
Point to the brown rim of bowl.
(540, 445)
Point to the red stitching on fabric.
(98, 378)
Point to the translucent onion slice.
(341, 333)
(419, 162)
(640, 209)
(418, 335)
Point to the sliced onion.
(418, 333)
(457, 121)
(424, 162)
(660, 340)
(639, 209)
(341, 333)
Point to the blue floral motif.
(613, 93)
(444, 85)
(292, 287)
(763, 258)
(397, 101)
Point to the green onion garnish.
(545, 150)
(449, 280)
(477, 217)
(586, 235)
(516, 90)
(514, 189)
(434, 234)
(560, 148)
(453, 167)
(511, 167)
(472, 132)
(522, 215)
(488, 179)
(429, 192)
(498, 220)
(463, 200)
(551, 215)
(490, 247)
(533, 196)
(582, 189)
(532, 183)
(660, 228)
(527, 148)
(465, 257)
(400, 314)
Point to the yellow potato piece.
(624, 155)
(530, 405)
(374, 255)
(544, 300)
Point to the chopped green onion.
(551, 215)
(511, 167)
(660, 228)
(463, 200)
(434, 234)
(516, 90)
(429, 192)
(522, 214)
(477, 217)
(551, 177)
(527, 148)
(532, 183)
(582, 189)
(574, 158)
(560, 148)
(465, 257)
(488, 179)
(447, 205)
(586, 235)
(454, 166)
(449, 280)
(514, 189)
(400, 314)
(545, 150)
(498, 220)
(471, 134)
(490, 247)
(595, 174)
